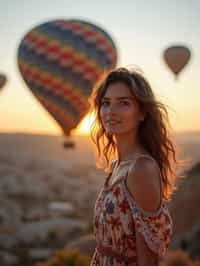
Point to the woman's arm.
(144, 184)
(146, 257)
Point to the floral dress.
(117, 216)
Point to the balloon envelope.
(3, 80)
(177, 57)
(60, 61)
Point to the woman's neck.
(128, 147)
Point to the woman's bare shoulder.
(144, 183)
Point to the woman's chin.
(119, 132)
(113, 132)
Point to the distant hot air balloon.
(60, 61)
(176, 58)
(3, 80)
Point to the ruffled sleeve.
(155, 227)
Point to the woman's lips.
(112, 122)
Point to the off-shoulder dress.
(116, 218)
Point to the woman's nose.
(112, 109)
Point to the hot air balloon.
(3, 80)
(176, 58)
(60, 61)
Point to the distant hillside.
(186, 201)
(51, 147)
(47, 147)
(195, 170)
(189, 137)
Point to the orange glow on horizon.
(85, 125)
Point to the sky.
(141, 30)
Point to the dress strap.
(111, 169)
(112, 166)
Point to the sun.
(84, 126)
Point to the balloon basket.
(69, 144)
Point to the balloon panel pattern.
(60, 61)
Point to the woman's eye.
(104, 103)
(124, 103)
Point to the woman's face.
(119, 110)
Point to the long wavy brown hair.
(154, 132)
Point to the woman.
(132, 225)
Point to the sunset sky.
(141, 30)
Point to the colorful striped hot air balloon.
(60, 61)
